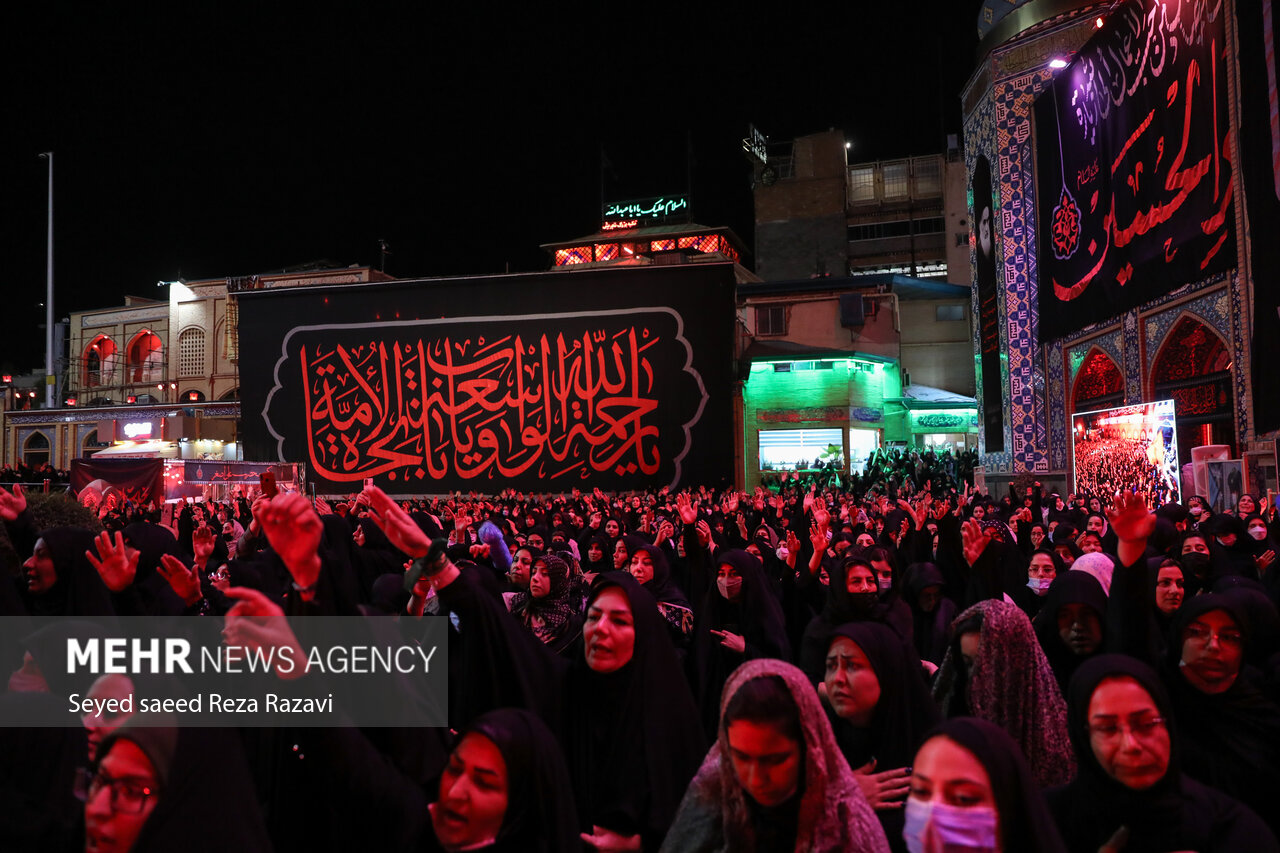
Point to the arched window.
(191, 352)
(1099, 384)
(91, 445)
(1193, 368)
(100, 362)
(146, 357)
(233, 394)
(35, 450)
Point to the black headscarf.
(1070, 587)
(1176, 813)
(929, 629)
(906, 709)
(660, 586)
(540, 812)
(632, 736)
(1231, 740)
(1025, 822)
(206, 800)
(79, 591)
(605, 563)
(756, 616)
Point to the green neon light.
(650, 209)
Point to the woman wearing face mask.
(852, 596)
(775, 779)
(740, 619)
(1231, 730)
(996, 670)
(1043, 566)
(1263, 548)
(880, 708)
(971, 790)
(1199, 571)
(1123, 729)
(1198, 510)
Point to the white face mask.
(885, 585)
(971, 830)
(729, 587)
(1258, 532)
(1040, 585)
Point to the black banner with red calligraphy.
(613, 379)
(1133, 162)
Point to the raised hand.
(294, 530)
(975, 541)
(256, 622)
(115, 565)
(731, 641)
(403, 532)
(1130, 518)
(202, 542)
(12, 504)
(185, 582)
(684, 506)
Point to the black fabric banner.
(138, 481)
(1133, 164)
(616, 378)
(1260, 155)
(985, 225)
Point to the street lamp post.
(48, 299)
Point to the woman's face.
(1258, 529)
(98, 726)
(540, 580)
(642, 566)
(620, 556)
(865, 540)
(609, 632)
(1170, 589)
(125, 781)
(1064, 554)
(521, 567)
(39, 569)
(1042, 567)
(1129, 739)
(1195, 545)
(595, 553)
(970, 645)
(1037, 536)
(1079, 628)
(473, 795)
(860, 578)
(852, 685)
(929, 598)
(1212, 651)
(611, 527)
(979, 512)
(766, 761)
(945, 772)
(1246, 506)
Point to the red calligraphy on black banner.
(1134, 164)
(551, 400)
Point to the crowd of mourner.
(897, 663)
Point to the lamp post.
(48, 299)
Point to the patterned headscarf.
(834, 814)
(1012, 685)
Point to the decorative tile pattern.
(1214, 309)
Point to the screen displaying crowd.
(894, 663)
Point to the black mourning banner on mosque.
(1133, 164)
(546, 382)
(1260, 156)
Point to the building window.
(800, 449)
(91, 445)
(191, 352)
(771, 320)
(897, 179)
(949, 313)
(146, 358)
(35, 451)
(862, 184)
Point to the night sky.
(204, 144)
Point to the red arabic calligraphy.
(429, 407)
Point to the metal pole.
(48, 299)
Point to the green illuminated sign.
(646, 211)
